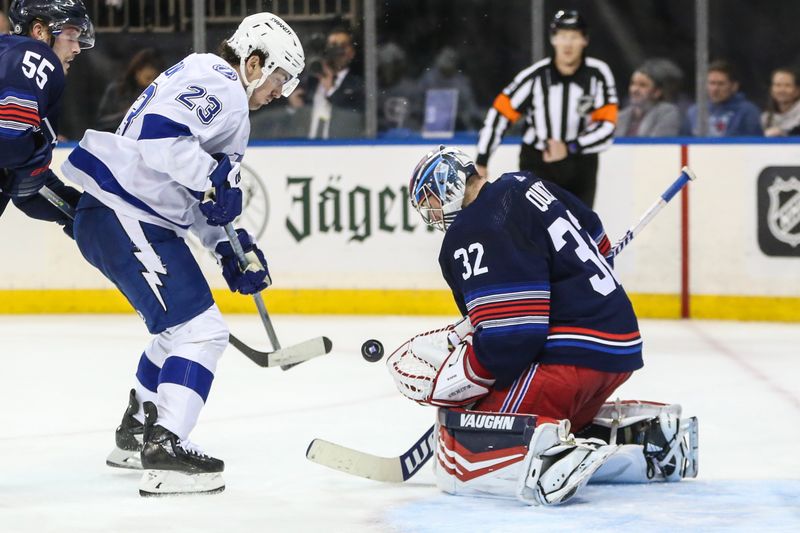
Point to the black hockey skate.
(670, 447)
(127, 453)
(173, 466)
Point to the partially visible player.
(33, 62)
(552, 336)
(173, 167)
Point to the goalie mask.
(55, 14)
(438, 183)
(269, 34)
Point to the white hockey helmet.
(269, 34)
(441, 174)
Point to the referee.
(569, 103)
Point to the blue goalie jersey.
(30, 91)
(525, 260)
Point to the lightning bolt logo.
(152, 268)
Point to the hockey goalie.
(548, 335)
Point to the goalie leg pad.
(480, 453)
(524, 457)
(668, 443)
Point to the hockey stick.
(280, 357)
(401, 468)
(388, 469)
(286, 358)
(686, 176)
(57, 201)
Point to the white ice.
(64, 386)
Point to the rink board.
(341, 238)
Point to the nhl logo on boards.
(783, 218)
(779, 211)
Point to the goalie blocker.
(537, 461)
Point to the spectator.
(5, 24)
(649, 112)
(782, 116)
(334, 94)
(446, 74)
(143, 68)
(399, 98)
(569, 103)
(730, 114)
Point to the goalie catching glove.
(255, 276)
(429, 370)
(222, 203)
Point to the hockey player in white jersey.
(172, 167)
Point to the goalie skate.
(128, 437)
(669, 443)
(173, 466)
(558, 464)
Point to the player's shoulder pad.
(513, 182)
(225, 70)
(18, 50)
(220, 77)
(18, 45)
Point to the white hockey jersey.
(156, 166)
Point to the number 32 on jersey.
(471, 258)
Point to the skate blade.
(119, 458)
(173, 483)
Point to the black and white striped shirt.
(579, 109)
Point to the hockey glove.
(27, 179)
(223, 203)
(255, 277)
(461, 379)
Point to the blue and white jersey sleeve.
(156, 166)
(195, 108)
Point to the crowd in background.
(331, 100)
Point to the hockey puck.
(372, 350)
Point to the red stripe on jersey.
(604, 245)
(17, 115)
(509, 310)
(595, 333)
(19, 109)
(511, 304)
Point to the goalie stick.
(283, 357)
(403, 467)
(389, 469)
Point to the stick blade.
(325, 453)
(290, 355)
(327, 346)
(303, 351)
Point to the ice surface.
(64, 386)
